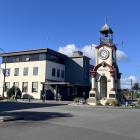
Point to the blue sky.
(31, 24)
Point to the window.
(35, 57)
(25, 71)
(16, 72)
(7, 72)
(25, 87)
(58, 73)
(42, 56)
(62, 74)
(16, 84)
(16, 59)
(7, 86)
(34, 86)
(35, 70)
(24, 58)
(53, 72)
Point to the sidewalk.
(38, 101)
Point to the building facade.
(44, 71)
(105, 74)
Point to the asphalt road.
(52, 121)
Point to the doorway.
(103, 87)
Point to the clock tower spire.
(106, 34)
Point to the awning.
(61, 83)
(56, 83)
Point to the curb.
(10, 118)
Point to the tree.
(135, 87)
(11, 92)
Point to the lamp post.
(4, 74)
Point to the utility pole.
(4, 73)
(131, 89)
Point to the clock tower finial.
(106, 34)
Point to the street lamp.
(4, 74)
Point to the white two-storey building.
(28, 69)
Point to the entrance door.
(103, 87)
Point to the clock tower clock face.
(104, 54)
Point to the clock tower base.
(92, 98)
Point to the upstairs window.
(6, 72)
(16, 72)
(35, 57)
(16, 59)
(62, 74)
(35, 70)
(53, 72)
(58, 72)
(25, 71)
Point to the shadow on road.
(11, 106)
(37, 116)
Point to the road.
(52, 121)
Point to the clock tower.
(105, 76)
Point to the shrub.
(27, 96)
(107, 103)
(138, 102)
(76, 100)
(112, 102)
(11, 93)
(99, 103)
(82, 100)
(79, 100)
(104, 102)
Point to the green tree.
(14, 91)
(135, 88)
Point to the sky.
(68, 25)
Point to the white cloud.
(121, 56)
(68, 49)
(133, 78)
(126, 82)
(89, 51)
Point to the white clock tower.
(105, 75)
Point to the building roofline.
(33, 51)
(80, 57)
